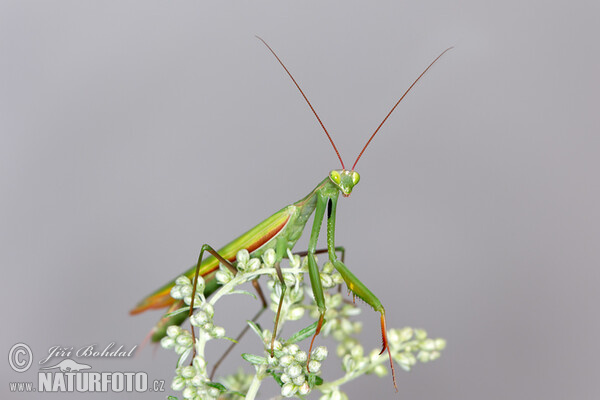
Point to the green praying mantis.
(280, 232)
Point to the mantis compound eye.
(355, 177)
(335, 177)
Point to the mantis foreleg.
(354, 284)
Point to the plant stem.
(256, 381)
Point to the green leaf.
(230, 339)
(171, 398)
(183, 357)
(254, 359)
(276, 376)
(303, 333)
(217, 385)
(243, 292)
(256, 328)
(314, 380)
(176, 312)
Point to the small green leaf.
(171, 398)
(254, 359)
(177, 312)
(233, 392)
(217, 385)
(276, 376)
(277, 353)
(256, 328)
(303, 333)
(229, 338)
(183, 357)
(314, 380)
(243, 292)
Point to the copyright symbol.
(20, 357)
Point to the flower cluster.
(295, 372)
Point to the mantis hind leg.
(229, 265)
(338, 249)
(222, 260)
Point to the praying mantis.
(280, 232)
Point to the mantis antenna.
(396, 105)
(382, 122)
(305, 98)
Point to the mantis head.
(344, 180)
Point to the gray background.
(133, 132)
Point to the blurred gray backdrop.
(134, 131)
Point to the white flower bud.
(295, 313)
(253, 265)
(294, 259)
(285, 378)
(337, 278)
(173, 331)
(269, 258)
(199, 363)
(178, 383)
(434, 355)
(357, 351)
(189, 392)
(304, 389)
(276, 345)
(319, 354)
(286, 360)
(208, 327)
(296, 294)
(288, 390)
(181, 349)
(188, 372)
(336, 300)
(183, 281)
(348, 363)
(374, 355)
(299, 380)
(406, 334)
(214, 392)
(327, 281)
(199, 318)
(242, 256)
(184, 340)
(273, 361)
(380, 370)
(223, 276)
(289, 279)
(176, 292)
(292, 349)
(440, 344)
(314, 366)
(187, 290)
(406, 360)
(208, 309)
(428, 344)
(294, 370)
(420, 334)
(167, 342)
(423, 356)
(218, 332)
(301, 357)
(336, 395)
